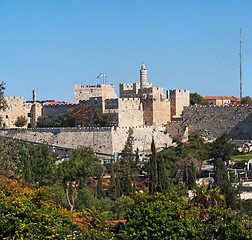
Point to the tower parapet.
(179, 99)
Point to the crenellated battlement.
(136, 100)
(139, 103)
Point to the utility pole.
(240, 63)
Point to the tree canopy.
(21, 121)
(32, 214)
(196, 98)
(157, 216)
(81, 113)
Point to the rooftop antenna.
(240, 63)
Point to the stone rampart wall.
(142, 137)
(212, 121)
(15, 108)
(104, 140)
(55, 110)
(130, 112)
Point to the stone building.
(221, 100)
(85, 93)
(155, 107)
(16, 107)
(139, 104)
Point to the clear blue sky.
(51, 45)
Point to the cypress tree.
(153, 169)
(112, 187)
(221, 179)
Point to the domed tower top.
(143, 77)
(143, 67)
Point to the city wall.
(213, 121)
(104, 140)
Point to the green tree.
(43, 165)
(9, 158)
(21, 121)
(126, 165)
(101, 119)
(196, 98)
(246, 100)
(32, 214)
(221, 148)
(56, 121)
(25, 165)
(191, 175)
(46, 121)
(207, 197)
(112, 190)
(197, 148)
(99, 171)
(153, 169)
(78, 172)
(122, 204)
(223, 181)
(226, 224)
(156, 216)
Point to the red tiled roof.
(53, 103)
(231, 98)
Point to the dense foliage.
(157, 216)
(161, 211)
(27, 213)
(197, 99)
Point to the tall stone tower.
(143, 77)
(33, 109)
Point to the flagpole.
(103, 75)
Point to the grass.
(242, 157)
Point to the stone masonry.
(212, 121)
(102, 140)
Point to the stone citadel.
(141, 106)
(147, 109)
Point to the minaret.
(33, 110)
(34, 96)
(143, 77)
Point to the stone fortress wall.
(103, 140)
(140, 106)
(131, 112)
(179, 99)
(15, 108)
(85, 93)
(212, 121)
(129, 90)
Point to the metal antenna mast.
(240, 63)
